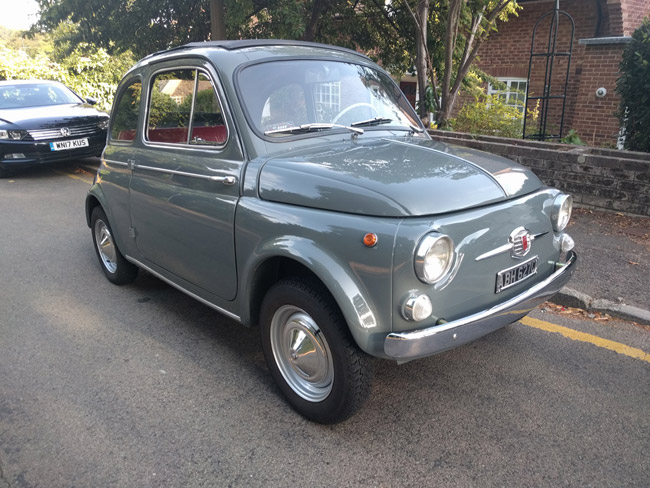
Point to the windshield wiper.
(314, 127)
(374, 121)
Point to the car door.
(117, 160)
(185, 182)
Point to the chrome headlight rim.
(12, 134)
(422, 253)
(561, 214)
(103, 124)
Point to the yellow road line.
(74, 177)
(584, 337)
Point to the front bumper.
(420, 343)
(39, 152)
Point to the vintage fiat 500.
(292, 187)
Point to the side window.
(184, 109)
(125, 115)
(169, 109)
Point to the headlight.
(433, 257)
(561, 213)
(14, 135)
(103, 124)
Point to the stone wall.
(602, 178)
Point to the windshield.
(288, 97)
(35, 95)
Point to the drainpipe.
(599, 17)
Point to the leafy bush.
(88, 70)
(572, 138)
(634, 88)
(489, 115)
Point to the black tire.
(324, 376)
(116, 268)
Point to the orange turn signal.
(370, 240)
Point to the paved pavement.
(613, 272)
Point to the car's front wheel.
(310, 352)
(115, 266)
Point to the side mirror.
(91, 100)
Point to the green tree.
(121, 25)
(440, 38)
(143, 26)
(458, 28)
(32, 45)
(634, 88)
(437, 39)
(88, 70)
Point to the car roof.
(28, 82)
(253, 48)
(234, 45)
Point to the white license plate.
(511, 276)
(62, 145)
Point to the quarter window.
(184, 109)
(208, 126)
(125, 115)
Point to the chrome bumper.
(405, 346)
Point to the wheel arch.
(91, 203)
(95, 198)
(270, 272)
(322, 270)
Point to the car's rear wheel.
(116, 268)
(311, 354)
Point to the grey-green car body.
(222, 223)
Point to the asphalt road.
(140, 386)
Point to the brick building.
(602, 28)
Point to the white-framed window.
(328, 95)
(514, 94)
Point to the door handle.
(226, 180)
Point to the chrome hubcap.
(302, 353)
(105, 246)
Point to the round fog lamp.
(567, 243)
(418, 308)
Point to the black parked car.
(45, 121)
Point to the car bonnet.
(393, 178)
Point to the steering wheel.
(351, 107)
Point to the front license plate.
(61, 145)
(516, 274)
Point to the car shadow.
(43, 171)
(206, 337)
